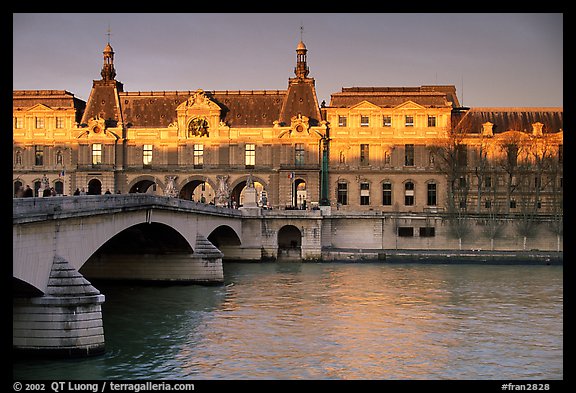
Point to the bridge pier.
(66, 321)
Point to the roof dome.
(300, 45)
(108, 48)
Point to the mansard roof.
(55, 99)
(240, 108)
(390, 97)
(509, 118)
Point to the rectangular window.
(364, 121)
(431, 194)
(250, 155)
(512, 204)
(387, 121)
(431, 121)
(59, 122)
(488, 204)
(299, 154)
(364, 193)
(409, 121)
(462, 155)
(487, 181)
(147, 155)
(364, 154)
(405, 231)
(198, 156)
(38, 155)
(19, 122)
(342, 121)
(462, 204)
(387, 194)
(39, 122)
(462, 182)
(427, 231)
(342, 193)
(409, 155)
(96, 154)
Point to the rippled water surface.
(331, 321)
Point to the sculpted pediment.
(363, 105)
(198, 101)
(409, 105)
(97, 129)
(40, 108)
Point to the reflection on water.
(332, 321)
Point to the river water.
(331, 321)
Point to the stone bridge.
(59, 243)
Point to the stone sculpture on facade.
(171, 190)
(223, 192)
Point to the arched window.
(409, 193)
(59, 187)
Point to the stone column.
(66, 321)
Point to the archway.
(299, 194)
(197, 190)
(94, 187)
(143, 186)
(289, 242)
(18, 188)
(237, 194)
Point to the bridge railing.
(43, 208)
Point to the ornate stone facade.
(405, 149)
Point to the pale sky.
(493, 59)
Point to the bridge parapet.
(42, 209)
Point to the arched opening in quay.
(289, 243)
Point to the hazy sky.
(493, 59)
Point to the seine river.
(318, 321)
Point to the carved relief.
(198, 126)
(96, 125)
(300, 123)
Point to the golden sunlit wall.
(379, 158)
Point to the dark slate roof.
(55, 99)
(258, 108)
(240, 108)
(102, 102)
(301, 99)
(388, 97)
(506, 119)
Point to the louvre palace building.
(411, 149)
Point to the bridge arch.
(141, 249)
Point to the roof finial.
(108, 33)
(301, 30)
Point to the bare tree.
(450, 158)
